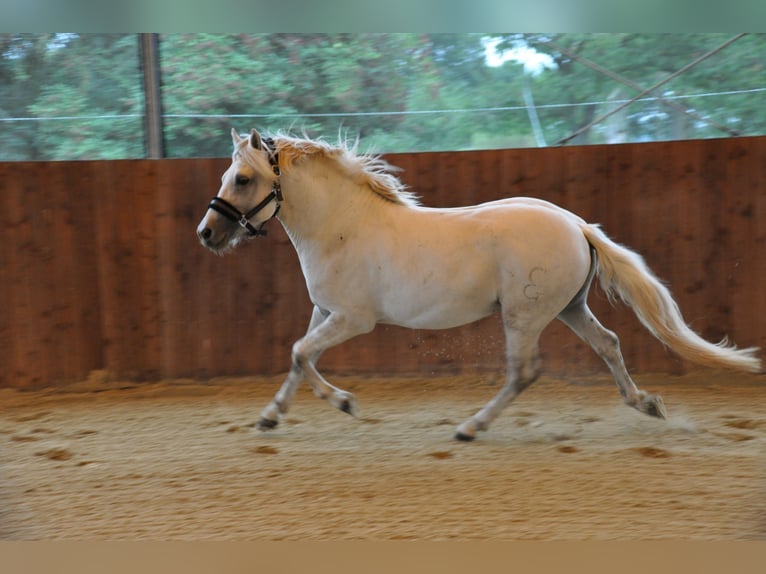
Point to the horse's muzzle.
(211, 239)
(204, 234)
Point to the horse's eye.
(242, 180)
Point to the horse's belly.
(436, 297)
(415, 314)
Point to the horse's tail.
(625, 273)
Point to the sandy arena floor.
(181, 461)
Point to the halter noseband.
(243, 219)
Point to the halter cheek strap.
(243, 219)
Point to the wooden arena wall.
(101, 270)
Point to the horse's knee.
(299, 356)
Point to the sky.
(534, 61)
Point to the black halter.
(243, 219)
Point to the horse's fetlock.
(631, 401)
(281, 406)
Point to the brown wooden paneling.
(125, 221)
(8, 197)
(101, 268)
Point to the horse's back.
(523, 225)
(523, 203)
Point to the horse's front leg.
(326, 330)
(281, 402)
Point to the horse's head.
(249, 195)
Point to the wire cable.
(687, 67)
(383, 113)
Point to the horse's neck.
(323, 202)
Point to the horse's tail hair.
(624, 273)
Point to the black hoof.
(655, 407)
(464, 437)
(345, 406)
(266, 424)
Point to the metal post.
(529, 102)
(150, 65)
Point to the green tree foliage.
(277, 81)
(646, 59)
(72, 96)
(323, 83)
(90, 76)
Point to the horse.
(371, 253)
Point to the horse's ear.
(235, 137)
(255, 139)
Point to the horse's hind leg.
(581, 320)
(523, 370)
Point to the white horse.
(370, 253)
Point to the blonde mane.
(369, 170)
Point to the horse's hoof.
(464, 437)
(266, 424)
(346, 402)
(655, 407)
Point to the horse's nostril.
(206, 233)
